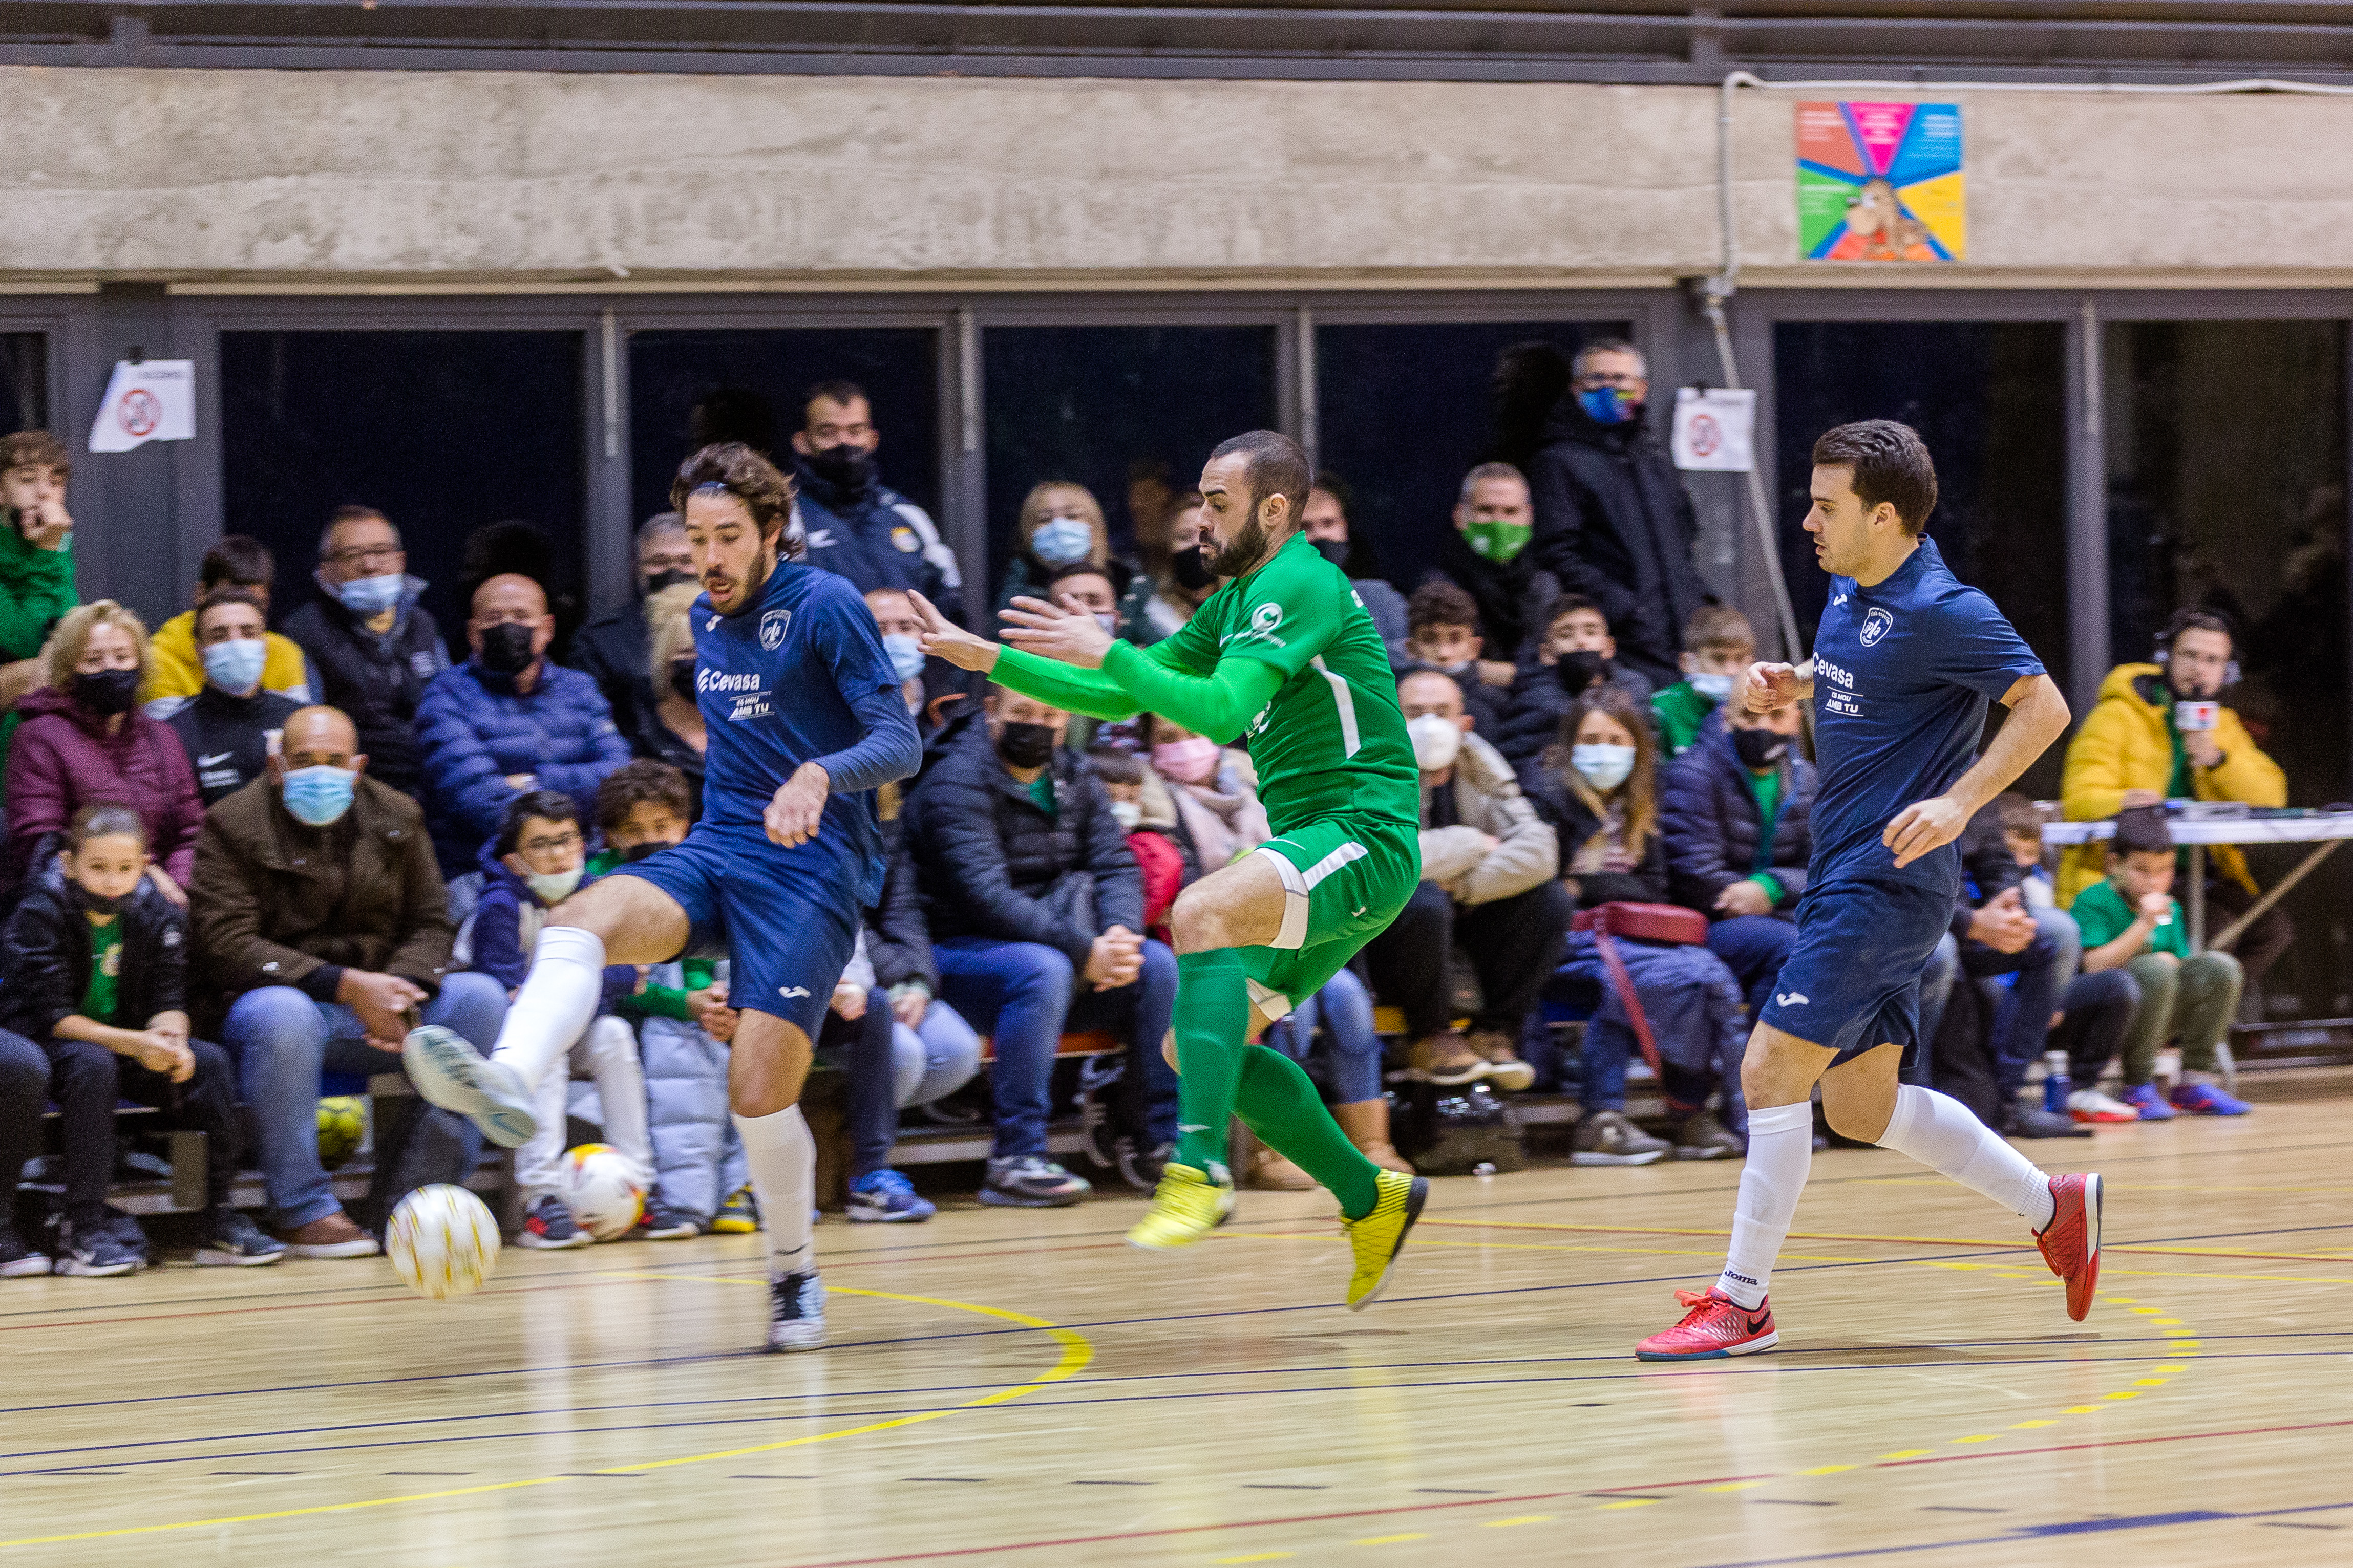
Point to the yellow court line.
(1077, 1352)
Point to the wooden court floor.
(1017, 1388)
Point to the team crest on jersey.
(1875, 625)
(1262, 622)
(905, 538)
(773, 626)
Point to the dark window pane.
(1989, 398)
(1096, 405)
(24, 382)
(1404, 412)
(730, 385)
(443, 431)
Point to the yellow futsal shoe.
(1188, 1206)
(1379, 1236)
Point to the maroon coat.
(62, 759)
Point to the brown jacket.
(273, 901)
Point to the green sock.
(1212, 1023)
(1280, 1102)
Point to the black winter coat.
(1709, 816)
(378, 681)
(898, 939)
(44, 957)
(1574, 823)
(1537, 703)
(989, 863)
(1513, 596)
(1614, 523)
(611, 650)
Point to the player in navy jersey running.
(1906, 662)
(805, 718)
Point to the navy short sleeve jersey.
(1903, 672)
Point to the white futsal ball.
(443, 1241)
(602, 1189)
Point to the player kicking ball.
(805, 719)
(1285, 652)
(1906, 662)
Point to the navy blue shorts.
(785, 920)
(1853, 981)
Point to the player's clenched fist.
(1765, 687)
(793, 816)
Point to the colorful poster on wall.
(1881, 182)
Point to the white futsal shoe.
(450, 1073)
(796, 1311)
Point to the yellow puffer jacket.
(175, 670)
(2126, 744)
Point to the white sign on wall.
(1716, 429)
(152, 400)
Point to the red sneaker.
(1716, 1326)
(2071, 1242)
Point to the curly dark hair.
(765, 490)
(633, 784)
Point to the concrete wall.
(544, 178)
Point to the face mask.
(506, 649)
(319, 795)
(234, 665)
(681, 679)
(1190, 569)
(1458, 669)
(1578, 670)
(1027, 745)
(98, 904)
(1607, 406)
(555, 888)
(372, 595)
(1059, 541)
(1190, 761)
(1497, 542)
(1603, 767)
(1714, 687)
(847, 466)
(1437, 741)
(669, 579)
(649, 848)
(1336, 551)
(1760, 749)
(906, 656)
(1127, 813)
(106, 692)
(1110, 624)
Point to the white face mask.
(1603, 767)
(554, 888)
(1714, 687)
(1127, 813)
(1437, 741)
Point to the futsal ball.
(602, 1190)
(343, 1121)
(443, 1241)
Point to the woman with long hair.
(1060, 526)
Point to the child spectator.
(2022, 834)
(2130, 920)
(230, 725)
(538, 859)
(36, 563)
(1159, 849)
(1718, 644)
(95, 961)
(1443, 633)
(1576, 654)
(2096, 1009)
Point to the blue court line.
(2024, 1533)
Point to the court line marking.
(1078, 1350)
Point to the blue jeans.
(1752, 947)
(1353, 1066)
(282, 1041)
(1024, 994)
(933, 1058)
(2021, 1018)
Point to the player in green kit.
(1284, 653)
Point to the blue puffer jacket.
(474, 736)
(698, 1161)
(1708, 815)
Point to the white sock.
(539, 1165)
(558, 998)
(1938, 1130)
(611, 1058)
(1780, 1153)
(783, 1158)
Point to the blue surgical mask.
(906, 656)
(1059, 541)
(234, 665)
(319, 795)
(1603, 767)
(1607, 406)
(1714, 687)
(372, 595)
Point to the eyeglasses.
(565, 844)
(364, 555)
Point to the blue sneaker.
(2144, 1098)
(2207, 1099)
(886, 1197)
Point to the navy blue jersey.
(1902, 675)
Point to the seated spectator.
(83, 741)
(2096, 1007)
(2131, 921)
(1325, 520)
(1061, 530)
(1190, 581)
(508, 721)
(1718, 644)
(1599, 785)
(1486, 555)
(538, 860)
(1442, 636)
(612, 650)
(24, 1090)
(371, 645)
(94, 962)
(322, 936)
(1036, 911)
(176, 667)
(37, 564)
(2132, 751)
(671, 729)
(934, 1052)
(1488, 865)
(934, 687)
(856, 1038)
(854, 523)
(227, 727)
(1576, 654)
(1737, 814)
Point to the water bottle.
(2055, 1087)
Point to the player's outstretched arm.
(1216, 704)
(2038, 716)
(1089, 691)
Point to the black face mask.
(1578, 670)
(847, 466)
(681, 678)
(1760, 747)
(506, 649)
(637, 852)
(1027, 745)
(106, 692)
(1190, 569)
(669, 579)
(1336, 551)
(97, 905)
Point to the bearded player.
(1285, 653)
(805, 718)
(1906, 664)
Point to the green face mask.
(1497, 540)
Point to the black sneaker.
(548, 1225)
(1141, 1168)
(1098, 1137)
(18, 1258)
(1607, 1138)
(796, 1311)
(94, 1252)
(663, 1223)
(1032, 1182)
(234, 1241)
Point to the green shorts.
(1344, 880)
